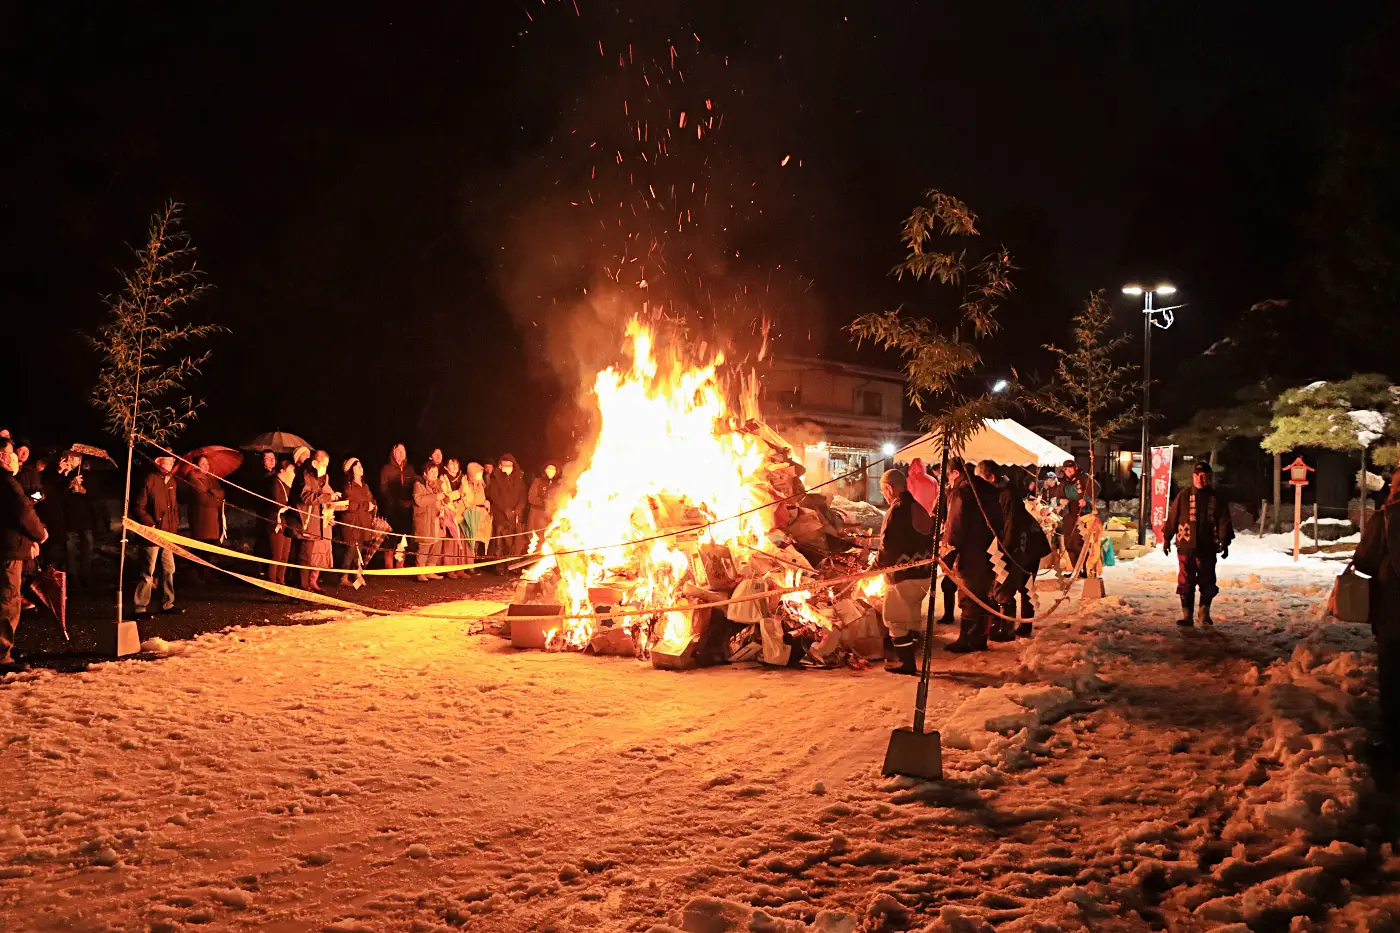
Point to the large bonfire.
(687, 495)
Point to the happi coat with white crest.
(974, 520)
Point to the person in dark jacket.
(396, 481)
(974, 514)
(1199, 521)
(541, 498)
(946, 586)
(1023, 545)
(21, 533)
(156, 507)
(47, 481)
(284, 525)
(1378, 556)
(80, 518)
(356, 525)
(266, 511)
(206, 511)
(505, 490)
(905, 537)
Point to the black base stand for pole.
(913, 752)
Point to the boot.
(1205, 613)
(904, 653)
(1187, 605)
(972, 637)
(1002, 630)
(1027, 613)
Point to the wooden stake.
(1297, 519)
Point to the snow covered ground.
(380, 774)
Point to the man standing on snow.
(906, 537)
(21, 533)
(1199, 520)
(969, 540)
(505, 490)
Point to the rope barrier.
(166, 539)
(154, 536)
(195, 544)
(535, 558)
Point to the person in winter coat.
(1023, 544)
(1199, 521)
(284, 525)
(206, 511)
(1378, 556)
(476, 518)
(357, 524)
(905, 537)
(157, 507)
(505, 490)
(454, 546)
(1074, 496)
(316, 506)
(541, 498)
(946, 587)
(974, 516)
(80, 520)
(428, 499)
(396, 501)
(21, 533)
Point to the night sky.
(386, 202)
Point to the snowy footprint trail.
(397, 774)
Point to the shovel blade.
(914, 754)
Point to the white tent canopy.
(1008, 442)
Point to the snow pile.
(1370, 425)
(1114, 773)
(327, 615)
(1006, 710)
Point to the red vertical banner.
(1161, 488)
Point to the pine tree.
(1090, 391)
(1348, 416)
(940, 363)
(141, 386)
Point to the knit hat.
(348, 464)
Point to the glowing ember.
(670, 455)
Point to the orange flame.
(667, 437)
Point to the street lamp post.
(1149, 320)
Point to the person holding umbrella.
(206, 509)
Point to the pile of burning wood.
(686, 503)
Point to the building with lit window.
(839, 417)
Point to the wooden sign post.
(1298, 478)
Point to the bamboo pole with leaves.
(941, 364)
(1090, 391)
(141, 384)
